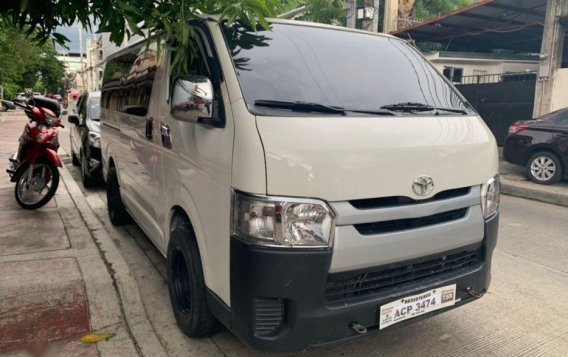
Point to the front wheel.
(186, 283)
(36, 186)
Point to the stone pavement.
(55, 285)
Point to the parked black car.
(85, 137)
(541, 146)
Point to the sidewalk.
(55, 284)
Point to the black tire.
(116, 211)
(74, 158)
(186, 283)
(545, 168)
(50, 193)
(86, 178)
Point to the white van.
(307, 184)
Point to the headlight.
(490, 194)
(94, 140)
(50, 120)
(281, 221)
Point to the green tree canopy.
(25, 64)
(426, 9)
(123, 18)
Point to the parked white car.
(307, 184)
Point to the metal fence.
(495, 78)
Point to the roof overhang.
(515, 25)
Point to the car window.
(128, 80)
(94, 108)
(296, 63)
(562, 119)
(82, 110)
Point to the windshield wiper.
(420, 107)
(299, 106)
(316, 107)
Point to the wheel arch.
(179, 212)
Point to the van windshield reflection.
(337, 69)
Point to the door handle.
(149, 128)
(166, 135)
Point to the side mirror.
(73, 119)
(192, 100)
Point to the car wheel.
(545, 168)
(74, 158)
(186, 283)
(116, 211)
(86, 178)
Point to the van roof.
(215, 18)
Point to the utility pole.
(366, 10)
(390, 21)
(351, 13)
(551, 57)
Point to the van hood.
(346, 158)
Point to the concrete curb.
(142, 332)
(525, 189)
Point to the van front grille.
(394, 201)
(349, 286)
(398, 225)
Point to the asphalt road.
(523, 314)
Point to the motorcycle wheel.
(37, 192)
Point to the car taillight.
(515, 129)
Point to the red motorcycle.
(34, 167)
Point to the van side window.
(128, 80)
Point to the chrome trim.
(349, 215)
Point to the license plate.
(416, 305)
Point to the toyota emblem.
(423, 185)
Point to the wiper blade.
(316, 107)
(382, 111)
(420, 107)
(299, 106)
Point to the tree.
(24, 64)
(123, 18)
(426, 9)
(325, 12)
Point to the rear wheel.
(36, 186)
(116, 210)
(545, 168)
(186, 283)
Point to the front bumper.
(262, 278)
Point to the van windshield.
(335, 68)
